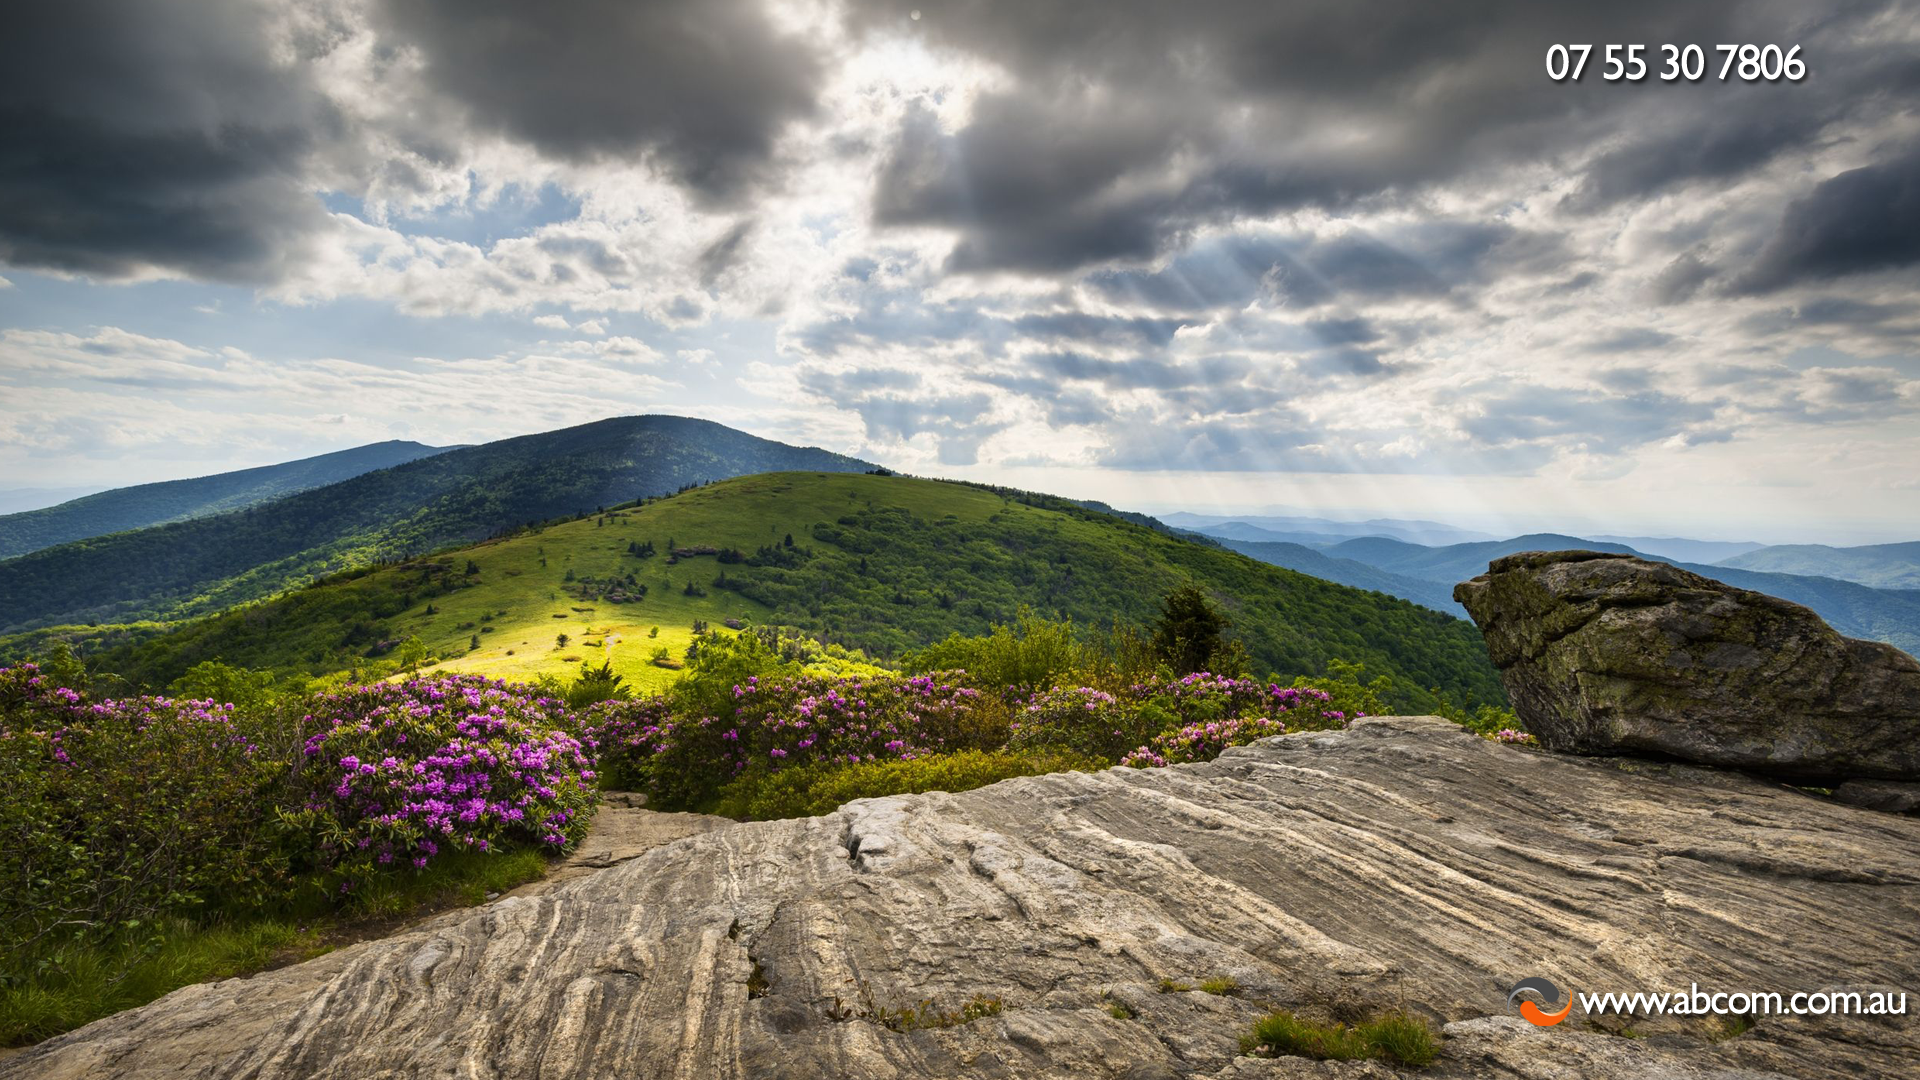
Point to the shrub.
(1083, 720)
(1026, 656)
(822, 788)
(681, 759)
(1191, 718)
(116, 813)
(1201, 742)
(396, 770)
(622, 732)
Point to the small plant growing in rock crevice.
(921, 1015)
(1221, 986)
(1399, 1038)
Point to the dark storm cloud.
(703, 87)
(1863, 220)
(1132, 124)
(157, 134)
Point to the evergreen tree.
(1191, 631)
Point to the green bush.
(1030, 654)
(113, 815)
(821, 789)
(1088, 722)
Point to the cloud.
(701, 88)
(1632, 340)
(160, 137)
(1861, 221)
(1117, 146)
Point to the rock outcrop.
(1610, 654)
(1399, 863)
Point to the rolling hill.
(206, 564)
(1882, 566)
(144, 505)
(1852, 609)
(883, 563)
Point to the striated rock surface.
(1610, 654)
(622, 829)
(1402, 862)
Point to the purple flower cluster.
(778, 724)
(1201, 742)
(395, 773)
(1518, 738)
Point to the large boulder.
(1611, 654)
(1402, 863)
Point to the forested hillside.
(178, 500)
(200, 566)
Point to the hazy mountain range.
(1426, 574)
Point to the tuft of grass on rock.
(1395, 1037)
(1221, 986)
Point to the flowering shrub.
(1201, 742)
(396, 772)
(115, 812)
(777, 724)
(1093, 722)
(1083, 720)
(1518, 738)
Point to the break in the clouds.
(1067, 241)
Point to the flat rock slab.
(622, 829)
(1402, 862)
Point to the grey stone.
(1402, 863)
(1891, 796)
(1610, 654)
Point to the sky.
(1353, 258)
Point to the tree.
(594, 685)
(560, 641)
(1191, 632)
(472, 568)
(473, 643)
(412, 653)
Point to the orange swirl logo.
(1548, 993)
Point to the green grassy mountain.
(1855, 610)
(883, 563)
(1881, 566)
(207, 564)
(143, 505)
